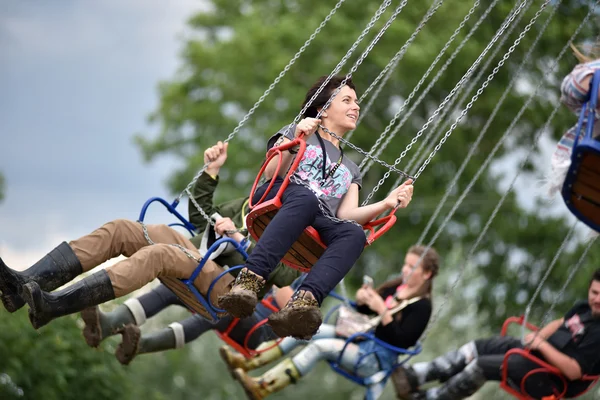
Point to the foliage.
(54, 362)
(242, 46)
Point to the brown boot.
(129, 346)
(270, 382)
(242, 298)
(235, 360)
(300, 318)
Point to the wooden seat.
(581, 189)
(305, 252)
(185, 289)
(519, 389)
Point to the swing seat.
(244, 349)
(185, 289)
(305, 252)
(519, 389)
(581, 188)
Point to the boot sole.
(33, 297)
(238, 305)
(11, 298)
(239, 375)
(299, 325)
(128, 348)
(92, 332)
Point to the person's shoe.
(241, 300)
(55, 269)
(405, 382)
(270, 382)
(44, 307)
(130, 345)
(235, 360)
(100, 325)
(300, 318)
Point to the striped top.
(573, 95)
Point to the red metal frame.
(261, 207)
(245, 350)
(545, 368)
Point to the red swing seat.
(518, 389)
(244, 349)
(305, 252)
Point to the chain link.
(464, 78)
(262, 98)
(474, 146)
(180, 247)
(431, 84)
(386, 73)
(511, 186)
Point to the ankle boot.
(235, 360)
(243, 296)
(300, 318)
(44, 307)
(100, 325)
(270, 382)
(55, 269)
(461, 385)
(130, 344)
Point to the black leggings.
(300, 209)
(490, 359)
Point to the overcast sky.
(77, 80)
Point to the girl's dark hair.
(430, 263)
(323, 97)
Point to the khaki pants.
(145, 262)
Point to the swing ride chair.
(403, 354)
(244, 349)
(519, 389)
(581, 189)
(305, 252)
(184, 289)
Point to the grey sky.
(77, 81)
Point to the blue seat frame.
(189, 282)
(353, 375)
(582, 199)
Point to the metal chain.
(180, 247)
(432, 83)
(474, 146)
(545, 278)
(482, 88)
(264, 96)
(520, 168)
(364, 153)
(452, 92)
(386, 73)
(340, 64)
(460, 100)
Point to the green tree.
(54, 363)
(242, 46)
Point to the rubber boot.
(235, 360)
(44, 307)
(55, 269)
(300, 318)
(100, 325)
(270, 382)
(241, 300)
(460, 386)
(135, 343)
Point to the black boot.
(461, 385)
(58, 267)
(44, 307)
